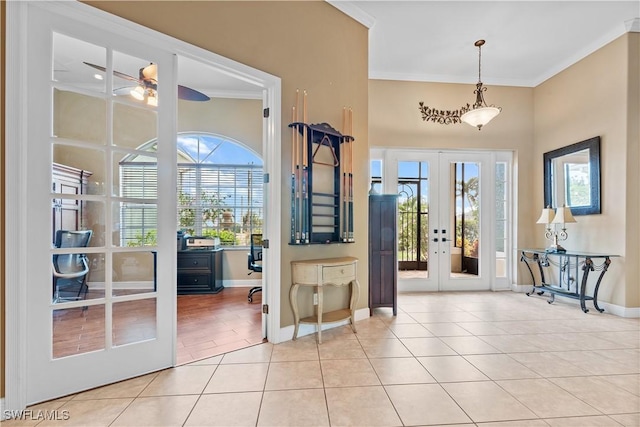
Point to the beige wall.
(598, 96)
(395, 121)
(310, 45)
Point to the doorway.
(453, 212)
(35, 369)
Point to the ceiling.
(526, 41)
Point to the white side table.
(319, 273)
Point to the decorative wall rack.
(321, 181)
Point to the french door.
(446, 212)
(102, 308)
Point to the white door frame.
(16, 122)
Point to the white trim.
(633, 25)
(350, 9)
(15, 227)
(286, 333)
(272, 158)
(582, 53)
(235, 94)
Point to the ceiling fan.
(147, 85)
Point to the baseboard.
(248, 283)
(616, 310)
(286, 333)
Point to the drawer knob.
(195, 280)
(195, 262)
(342, 271)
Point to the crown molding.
(350, 9)
(633, 25)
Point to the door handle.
(435, 240)
(444, 239)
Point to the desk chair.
(255, 262)
(70, 270)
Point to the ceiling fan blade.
(126, 90)
(189, 94)
(115, 73)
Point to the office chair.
(70, 270)
(255, 262)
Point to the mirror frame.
(593, 145)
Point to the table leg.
(605, 267)
(320, 298)
(355, 295)
(293, 298)
(586, 268)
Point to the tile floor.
(463, 359)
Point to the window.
(219, 191)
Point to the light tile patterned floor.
(463, 359)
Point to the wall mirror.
(572, 177)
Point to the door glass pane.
(79, 117)
(133, 125)
(70, 58)
(78, 330)
(82, 168)
(413, 219)
(77, 276)
(466, 189)
(136, 224)
(134, 321)
(135, 175)
(133, 273)
(501, 220)
(376, 177)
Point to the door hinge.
(265, 113)
(265, 243)
(265, 308)
(266, 178)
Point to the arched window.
(219, 191)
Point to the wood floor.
(208, 325)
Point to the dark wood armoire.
(383, 256)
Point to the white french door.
(446, 231)
(117, 320)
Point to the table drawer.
(339, 274)
(194, 261)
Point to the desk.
(319, 273)
(573, 267)
(199, 271)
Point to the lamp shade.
(138, 93)
(480, 116)
(546, 216)
(563, 216)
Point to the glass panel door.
(444, 228)
(96, 300)
(465, 208)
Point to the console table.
(573, 272)
(319, 273)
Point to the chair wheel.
(250, 299)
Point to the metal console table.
(570, 283)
